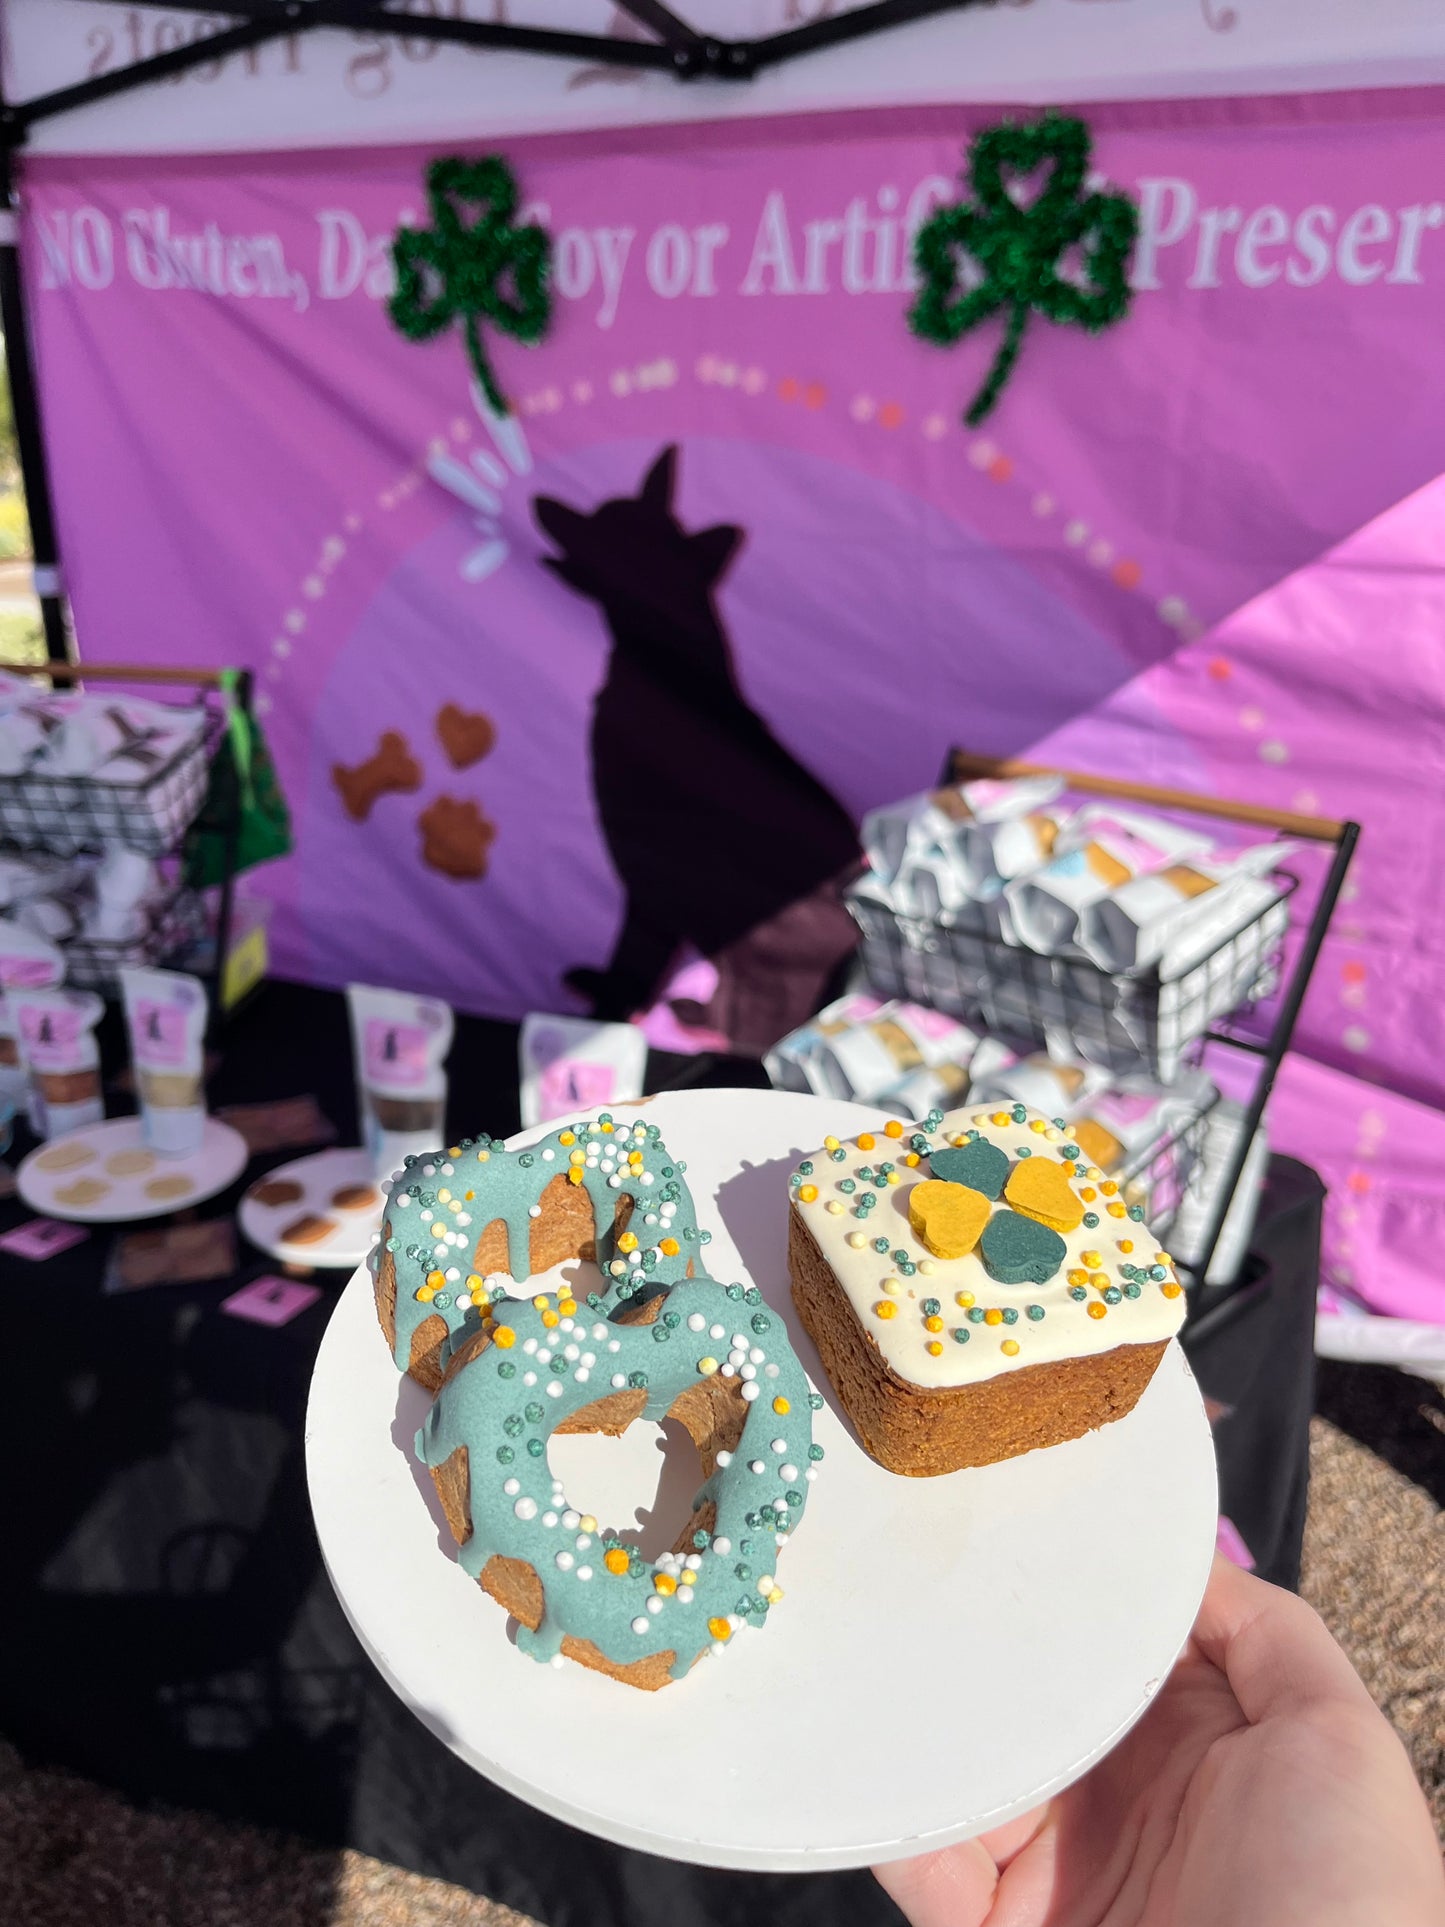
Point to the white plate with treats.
(108, 1174)
(317, 1210)
(950, 1651)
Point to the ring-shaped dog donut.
(457, 1221)
(713, 1357)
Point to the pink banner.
(1202, 546)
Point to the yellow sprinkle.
(467, 1196)
(474, 1283)
(687, 1578)
(958, 1138)
(720, 1629)
(567, 1307)
(425, 1294)
(892, 1285)
(1093, 1174)
(1000, 1117)
(781, 1406)
(1096, 1308)
(1163, 1259)
(993, 1316)
(934, 1347)
(616, 1560)
(927, 1267)
(775, 1596)
(1099, 1280)
(1078, 1277)
(834, 1207)
(606, 1130)
(1088, 1194)
(933, 1324)
(579, 1156)
(574, 1173)
(1011, 1346)
(893, 1128)
(1038, 1124)
(707, 1366)
(1116, 1210)
(831, 1144)
(664, 1583)
(550, 1320)
(964, 1298)
(541, 1302)
(505, 1337)
(587, 1522)
(436, 1279)
(885, 1308)
(857, 1240)
(669, 1247)
(910, 1158)
(455, 1151)
(444, 1197)
(866, 1141)
(1126, 1244)
(807, 1193)
(482, 1156)
(567, 1137)
(438, 1230)
(628, 1241)
(1090, 1260)
(893, 1177)
(1171, 1290)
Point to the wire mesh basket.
(176, 923)
(1161, 1175)
(67, 814)
(1124, 1021)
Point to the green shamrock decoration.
(1018, 250)
(459, 267)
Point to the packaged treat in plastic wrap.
(400, 1044)
(931, 855)
(1097, 851)
(791, 1064)
(1180, 909)
(570, 1066)
(56, 1033)
(867, 1059)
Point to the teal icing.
(518, 1508)
(507, 1184)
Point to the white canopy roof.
(341, 87)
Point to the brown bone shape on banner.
(466, 735)
(391, 770)
(456, 838)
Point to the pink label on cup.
(572, 1086)
(160, 1032)
(396, 1055)
(52, 1037)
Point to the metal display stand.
(1340, 837)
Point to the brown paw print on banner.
(456, 837)
(466, 736)
(391, 770)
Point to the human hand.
(1263, 1788)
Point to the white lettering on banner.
(235, 266)
(875, 255)
(1205, 246)
(350, 258)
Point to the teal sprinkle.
(505, 1455)
(1020, 1114)
(972, 1137)
(636, 1380)
(867, 1201)
(734, 1291)
(702, 1540)
(1036, 1312)
(900, 1256)
(1112, 1295)
(536, 1412)
(975, 1314)
(672, 1320)
(815, 1401)
(560, 1367)
(512, 1426)
(704, 1237)
(1091, 1221)
(815, 1452)
(506, 1369)
(933, 1120)
(1010, 1315)
(865, 1171)
(838, 1155)
(1156, 1272)
(681, 1165)
(1058, 1124)
(604, 1117)
(660, 1334)
(649, 1260)
(536, 1447)
(688, 1234)
(930, 1308)
(753, 1295)
(1131, 1290)
(1024, 1151)
(881, 1244)
(847, 1186)
(441, 1301)
(526, 1160)
(1078, 1293)
(1136, 1212)
(919, 1143)
(907, 1269)
(793, 1496)
(668, 1171)
(760, 1322)
(961, 1333)
(391, 1244)
(742, 1570)
(1070, 1151)
(745, 1547)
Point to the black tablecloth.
(167, 1627)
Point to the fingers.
(951, 1888)
(1274, 1649)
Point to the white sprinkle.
(614, 1182)
(717, 1331)
(684, 1594)
(554, 1390)
(619, 1379)
(447, 1170)
(584, 1572)
(564, 1562)
(529, 1344)
(756, 1465)
(740, 1344)
(583, 1540)
(641, 1623)
(654, 1602)
(582, 1375)
(780, 1445)
(403, 1199)
(766, 1583)
(534, 1210)
(599, 1331)
(649, 1217)
(634, 1257)
(614, 1344)
(464, 1217)
(428, 1170)
(648, 1178)
(693, 1562)
(723, 1460)
(789, 1472)
(512, 1486)
(529, 1378)
(750, 1392)
(589, 1359)
(574, 1352)
(549, 1519)
(757, 1355)
(548, 1155)
(544, 1355)
(770, 1371)
(729, 1371)
(722, 1546)
(811, 1473)
(525, 1508)
(737, 1358)
(696, 1322)
(618, 1267)
(748, 1371)
(571, 1519)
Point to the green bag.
(243, 780)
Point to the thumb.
(954, 1887)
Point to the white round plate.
(949, 1653)
(318, 1175)
(219, 1161)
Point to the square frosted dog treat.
(975, 1286)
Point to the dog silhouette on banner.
(714, 828)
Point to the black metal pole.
(1279, 1041)
(25, 405)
